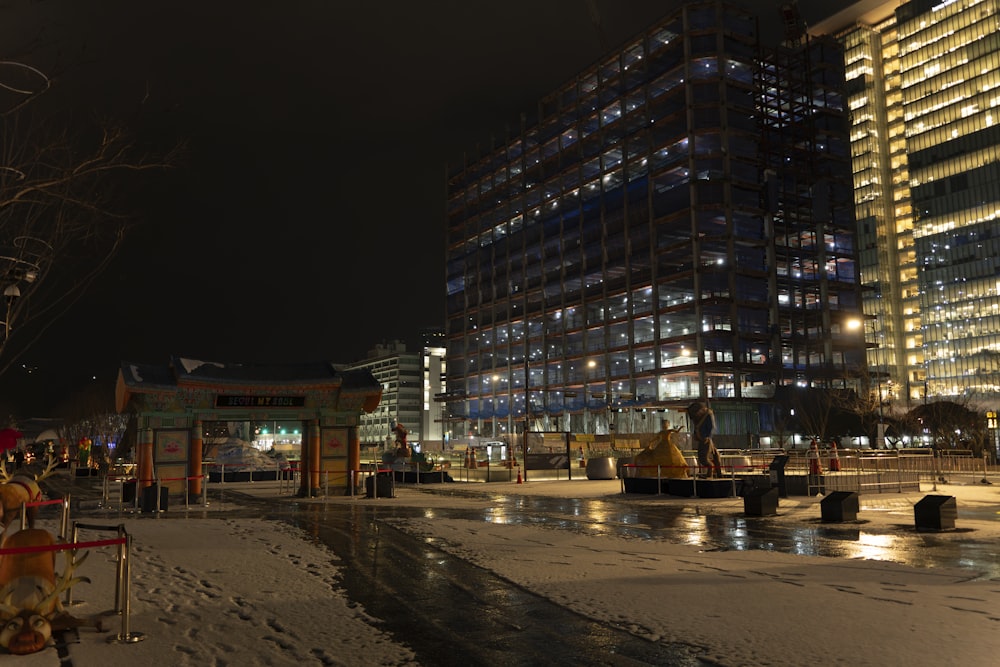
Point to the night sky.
(306, 221)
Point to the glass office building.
(924, 89)
(676, 224)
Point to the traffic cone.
(834, 458)
(519, 480)
(814, 466)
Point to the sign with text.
(238, 401)
(552, 461)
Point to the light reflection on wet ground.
(423, 594)
(687, 524)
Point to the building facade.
(409, 382)
(923, 79)
(676, 225)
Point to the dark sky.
(307, 220)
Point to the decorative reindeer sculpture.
(30, 609)
(19, 489)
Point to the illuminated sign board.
(238, 401)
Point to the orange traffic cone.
(834, 458)
(814, 466)
(519, 480)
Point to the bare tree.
(63, 209)
(950, 425)
(91, 414)
(813, 410)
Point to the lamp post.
(862, 324)
(20, 266)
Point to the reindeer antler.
(66, 581)
(50, 467)
(4, 475)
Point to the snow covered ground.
(228, 591)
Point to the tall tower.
(619, 253)
(922, 90)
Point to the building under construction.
(675, 224)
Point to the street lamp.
(862, 324)
(20, 265)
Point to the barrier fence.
(64, 514)
(823, 470)
(133, 484)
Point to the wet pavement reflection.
(451, 612)
(689, 524)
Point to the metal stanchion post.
(899, 473)
(126, 636)
(64, 519)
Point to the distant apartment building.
(676, 224)
(434, 430)
(409, 382)
(923, 90)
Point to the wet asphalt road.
(453, 613)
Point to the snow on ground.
(221, 592)
(240, 591)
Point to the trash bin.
(147, 501)
(840, 506)
(777, 473)
(935, 513)
(128, 492)
(761, 502)
(379, 485)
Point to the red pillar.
(194, 459)
(144, 458)
(314, 456)
(305, 466)
(353, 457)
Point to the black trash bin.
(147, 501)
(379, 486)
(777, 473)
(935, 513)
(761, 502)
(128, 492)
(840, 506)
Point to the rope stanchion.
(122, 578)
(35, 503)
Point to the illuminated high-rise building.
(923, 88)
(676, 224)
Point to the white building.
(409, 382)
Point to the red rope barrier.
(39, 503)
(61, 547)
